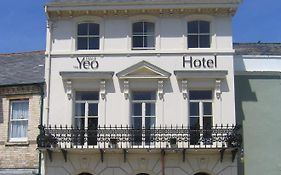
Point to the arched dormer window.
(88, 36)
(143, 36)
(198, 34)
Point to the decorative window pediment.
(143, 70)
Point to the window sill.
(17, 143)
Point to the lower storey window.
(86, 117)
(143, 116)
(19, 120)
(200, 116)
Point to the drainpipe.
(41, 87)
(48, 69)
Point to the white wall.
(116, 109)
(116, 33)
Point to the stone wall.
(19, 155)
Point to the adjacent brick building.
(21, 90)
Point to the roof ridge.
(23, 53)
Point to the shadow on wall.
(243, 93)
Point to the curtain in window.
(19, 119)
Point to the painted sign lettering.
(199, 63)
(87, 63)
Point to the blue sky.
(23, 24)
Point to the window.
(19, 120)
(200, 116)
(143, 116)
(88, 36)
(198, 34)
(143, 35)
(86, 117)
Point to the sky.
(23, 24)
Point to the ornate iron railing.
(127, 137)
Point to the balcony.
(114, 137)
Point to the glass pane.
(137, 109)
(94, 43)
(93, 109)
(194, 109)
(92, 131)
(79, 123)
(207, 126)
(87, 95)
(79, 109)
(137, 122)
(193, 27)
(200, 95)
(94, 29)
(150, 122)
(192, 41)
(82, 29)
(194, 130)
(92, 123)
(149, 41)
(19, 129)
(204, 27)
(137, 41)
(207, 108)
(20, 110)
(194, 123)
(204, 41)
(149, 28)
(150, 109)
(82, 43)
(138, 28)
(144, 96)
(207, 122)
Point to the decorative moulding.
(126, 89)
(218, 88)
(102, 89)
(184, 87)
(68, 86)
(160, 89)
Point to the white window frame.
(199, 34)
(143, 35)
(18, 139)
(143, 115)
(88, 36)
(87, 102)
(201, 109)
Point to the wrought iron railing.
(127, 137)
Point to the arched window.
(143, 36)
(201, 174)
(198, 34)
(85, 174)
(88, 36)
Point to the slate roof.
(22, 68)
(257, 48)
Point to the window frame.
(11, 120)
(201, 114)
(88, 36)
(143, 35)
(198, 34)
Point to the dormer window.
(143, 36)
(198, 34)
(88, 36)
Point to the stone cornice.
(20, 90)
(69, 13)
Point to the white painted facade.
(117, 71)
